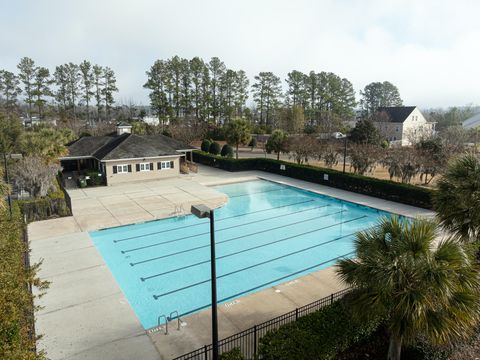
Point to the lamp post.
(202, 211)
(344, 151)
(7, 181)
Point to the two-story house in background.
(402, 125)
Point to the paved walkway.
(86, 316)
(107, 206)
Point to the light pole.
(7, 181)
(202, 211)
(344, 151)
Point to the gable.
(397, 114)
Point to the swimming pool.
(266, 234)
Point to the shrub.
(385, 189)
(205, 145)
(227, 151)
(319, 335)
(214, 148)
(253, 143)
(95, 178)
(234, 354)
(55, 204)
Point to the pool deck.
(85, 314)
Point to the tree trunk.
(395, 348)
(278, 155)
(237, 151)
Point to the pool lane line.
(259, 192)
(222, 229)
(216, 220)
(267, 283)
(251, 266)
(252, 248)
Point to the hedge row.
(17, 338)
(320, 335)
(55, 204)
(385, 189)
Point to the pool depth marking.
(267, 283)
(255, 247)
(251, 266)
(216, 220)
(218, 230)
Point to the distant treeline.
(182, 88)
(69, 86)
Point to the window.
(145, 167)
(397, 129)
(165, 165)
(122, 169)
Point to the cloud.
(429, 49)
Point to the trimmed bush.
(227, 151)
(320, 335)
(205, 145)
(384, 189)
(95, 178)
(16, 300)
(214, 148)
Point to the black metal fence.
(247, 340)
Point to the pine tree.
(98, 85)
(379, 94)
(10, 89)
(217, 69)
(72, 74)
(197, 68)
(61, 93)
(241, 92)
(267, 92)
(41, 88)
(26, 74)
(87, 85)
(158, 97)
(109, 87)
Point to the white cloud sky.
(430, 49)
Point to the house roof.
(125, 146)
(397, 114)
(472, 122)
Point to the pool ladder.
(167, 319)
(179, 211)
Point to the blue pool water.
(266, 234)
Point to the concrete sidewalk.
(107, 206)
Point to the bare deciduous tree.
(302, 148)
(35, 175)
(364, 158)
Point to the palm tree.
(457, 200)
(418, 286)
(237, 132)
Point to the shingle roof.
(125, 146)
(397, 114)
(87, 145)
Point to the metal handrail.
(178, 318)
(166, 323)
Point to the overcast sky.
(429, 49)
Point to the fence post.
(296, 314)
(206, 352)
(331, 299)
(255, 340)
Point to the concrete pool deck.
(86, 315)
